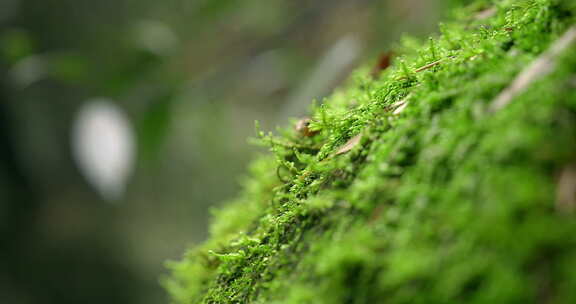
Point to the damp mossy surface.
(440, 200)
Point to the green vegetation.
(440, 201)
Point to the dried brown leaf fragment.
(383, 63)
(303, 128)
(349, 145)
(566, 190)
(486, 13)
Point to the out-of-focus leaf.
(69, 67)
(15, 44)
(213, 9)
(156, 37)
(133, 71)
(103, 146)
(28, 71)
(154, 126)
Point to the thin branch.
(539, 68)
(428, 66)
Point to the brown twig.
(428, 66)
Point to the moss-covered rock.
(448, 178)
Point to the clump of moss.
(436, 200)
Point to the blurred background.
(122, 122)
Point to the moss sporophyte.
(446, 177)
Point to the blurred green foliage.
(192, 76)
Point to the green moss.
(444, 202)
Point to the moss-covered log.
(447, 178)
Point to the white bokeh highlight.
(103, 147)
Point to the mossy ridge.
(443, 203)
